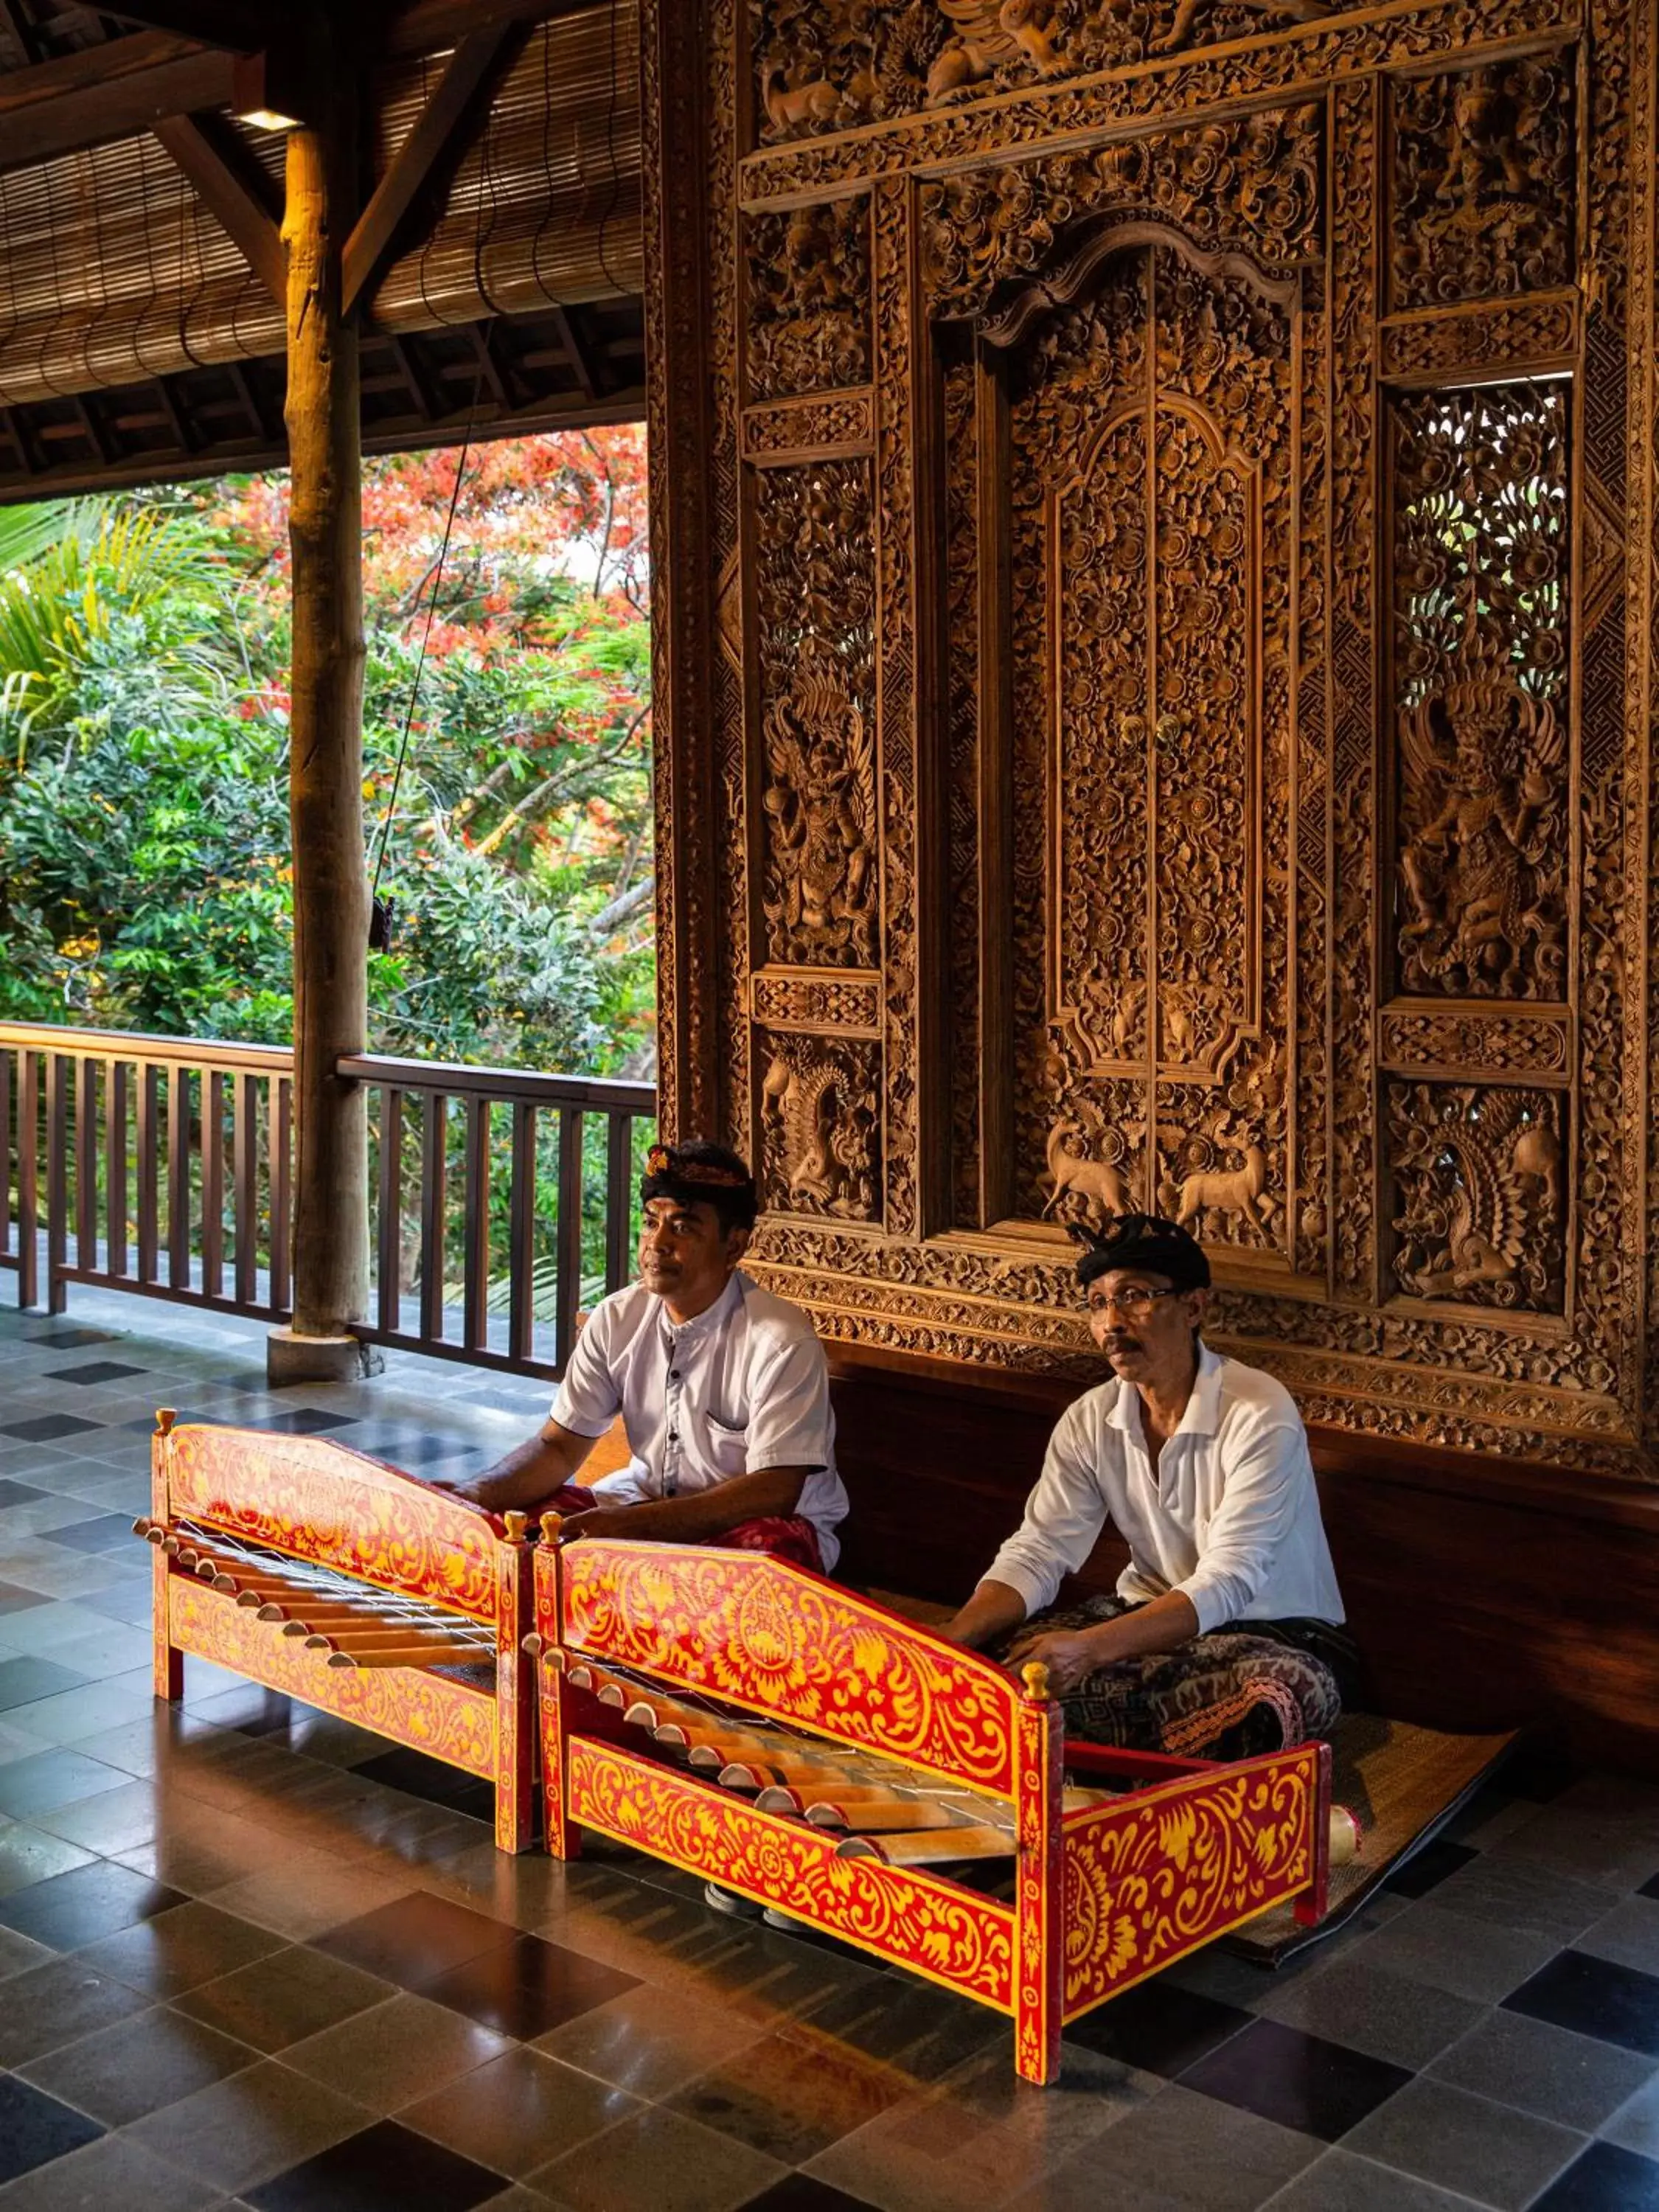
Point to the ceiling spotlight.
(262, 95)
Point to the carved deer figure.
(790, 107)
(1097, 1183)
(1230, 1190)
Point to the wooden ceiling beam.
(232, 186)
(106, 92)
(426, 27)
(232, 24)
(443, 130)
(25, 37)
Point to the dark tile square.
(304, 1421)
(414, 1939)
(789, 2101)
(14, 1598)
(17, 1493)
(34, 2127)
(410, 1446)
(23, 1680)
(140, 2065)
(47, 1779)
(527, 1987)
(95, 1370)
(1607, 2179)
(1299, 2080)
(167, 1953)
(1650, 1887)
(87, 1903)
(58, 2003)
(1160, 2028)
(440, 1785)
(382, 2165)
(107, 1532)
(800, 2192)
(279, 2001)
(47, 1428)
(1594, 1996)
(1421, 1873)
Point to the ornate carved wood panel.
(1168, 582)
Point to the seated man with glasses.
(1224, 1638)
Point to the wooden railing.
(503, 1200)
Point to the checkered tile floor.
(249, 1956)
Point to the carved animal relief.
(1159, 687)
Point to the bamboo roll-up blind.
(546, 208)
(112, 271)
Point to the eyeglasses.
(1134, 1306)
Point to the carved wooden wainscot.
(1175, 541)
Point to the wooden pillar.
(330, 890)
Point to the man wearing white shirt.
(1225, 1634)
(723, 1389)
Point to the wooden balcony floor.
(251, 1956)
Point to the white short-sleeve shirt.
(741, 1387)
(1230, 1515)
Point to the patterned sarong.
(783, 1535)
(1249, 1687)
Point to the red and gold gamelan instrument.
(751, 1722)
(314, 1570)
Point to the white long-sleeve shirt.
(1229, 1516)
(739, 1389)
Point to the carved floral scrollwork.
(826, 65)
(819, 1128)
(816, 594)
(1491, 337)
(809, 299)
(1252, 182)
(1478, 1180)
(1484, 182)
(1481, 662)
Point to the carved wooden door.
(1150, 440)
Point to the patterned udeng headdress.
(701, 1171)
(1141, 1240)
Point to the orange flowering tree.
(144, 877)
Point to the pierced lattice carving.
(1479, 671)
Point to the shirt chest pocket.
(729, 1444)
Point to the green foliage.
(144, 873)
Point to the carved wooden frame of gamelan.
(231, 1507)
(1104, 1895)
(1156, 548)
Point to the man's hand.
(527, 1475)
(1070, 1655)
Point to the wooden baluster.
(245, 1171)
(568, 1276)
(213, 1184)
(28, 1198)
(388, 1264)
(148, 1106)
(115, 1167)
(179, 1089)
(57, 1180)
(436, 1119)
(475, 1227)
(618, 1202)
(86, 1164)
(521, 1235)
(281, 1139)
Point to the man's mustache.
(1116, 1343)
